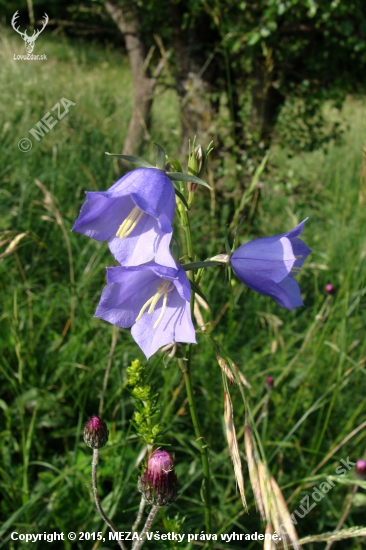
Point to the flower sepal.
(179, 176)
(137, 161)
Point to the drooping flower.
(96, 433)
(159, 484)
(134, 215)
(153, 300)
(268, 266)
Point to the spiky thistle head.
(158, 484)
(96, 433)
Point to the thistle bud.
(96, 433)
(360, 470)
(269, 383)
(329, 288)
(158, 484)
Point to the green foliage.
(145, 402)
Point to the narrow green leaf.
(198, 291)
(257, 174)
(160, 157)
(193, 266)
(181, 196)
(179, 176)
(141, 163)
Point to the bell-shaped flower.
(134, 215)
(268, 266)
(152, 299)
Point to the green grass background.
(54, 352)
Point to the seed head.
(158, 484)
(96, 433)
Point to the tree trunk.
(126, 18)
(266, 102)
(195, 76)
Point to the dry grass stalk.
(12, 247)
(225, 367)
(331, 536)
(269, 544)
(253, 471)
(198, 316)
(285, 516)
(270, 507)
(264, 489)
(50, 204)
(233, 446)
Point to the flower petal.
(293, 296)
(125, 294)
(176, 325)
(265, 265)
(151, 190)
(299, 249)
(100, 216)
(286, 293)
(296, 231)
(142, 244)
(129, 289)
(271, 258)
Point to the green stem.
(97, 498)
(186, 367)
(187, 232)
(150, 520)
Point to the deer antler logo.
(29, 40)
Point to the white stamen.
(161, 291)
(130, 223)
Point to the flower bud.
(360, 470)
(269, 383)
(329, 288)
(96, 433)
(158, 484)
(196, 161)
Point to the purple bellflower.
(152, 299)
(268, 265)
(134, 215)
